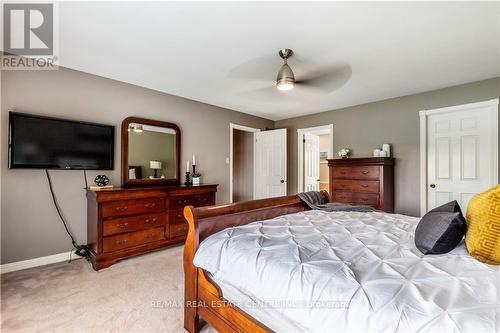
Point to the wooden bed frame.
(202, 297)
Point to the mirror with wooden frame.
(150, 152)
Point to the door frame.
(317, 130)
(492, 104)
(233, 127)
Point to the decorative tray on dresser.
(363, 181)
(123, 222)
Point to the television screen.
(49, 143)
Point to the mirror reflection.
(151, 152)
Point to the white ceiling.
(225, 53)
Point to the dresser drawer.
(365, 199)
(179, 229)
(176, 216)
(132, 223)
(356, 172)
(343, 197)
(363, 186)
(204, 199)
(122, 241)
(131, 207)
(196, 200)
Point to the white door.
(461, 156)
(311, 162)
(270, 164)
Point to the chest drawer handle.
(149, 236)
(364, 185)
(150, 205)
(122, 225)
(364, 199)
(343, 173)
(121, 209)
(150, 221)
(121, 242)
(365, 172)
(182, 201)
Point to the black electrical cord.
(59, 209)
(81, 250)
(85, 177)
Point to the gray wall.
(30, 227)
(242, 166)
(365, 127)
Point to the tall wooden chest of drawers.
(363, 181)
(126, 222)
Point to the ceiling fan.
(309, 78)
(285, 79)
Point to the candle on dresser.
(187, 166)
(194, 160)
(387, 148)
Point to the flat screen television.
(49, 143)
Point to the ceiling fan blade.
(270, 93)
(266, 92)
(261, 68)
(329, 79)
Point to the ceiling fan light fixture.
(285, 84)
(285, 79)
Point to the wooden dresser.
(124, 222)
(363, 181)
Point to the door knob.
(433, 185)
(282, 181)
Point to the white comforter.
(355, 272)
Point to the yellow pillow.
(483, 226)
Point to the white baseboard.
(18, 265)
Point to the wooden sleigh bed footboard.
(202, 297)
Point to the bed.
(273, 265)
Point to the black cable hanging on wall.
(81, 250)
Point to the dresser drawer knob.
(182, 201)
(121, 209)
(150, 205)
(149, 236)
(364, 199)
(150, 221)
(365, 172)
(364, 185)
(122, 225)
(121, 242)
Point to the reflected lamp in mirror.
(155, 166)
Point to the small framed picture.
(323, 155)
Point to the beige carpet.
(141, 294)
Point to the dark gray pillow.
(441, 229)
(450, 207)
